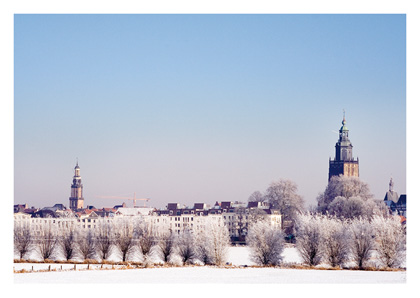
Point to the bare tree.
(22, 240)
(390, 240)
(266, 243)
(166, 243)
(203, 250)
(362, 241)
(124, 238)
(257, 196)
(256, 215)
(186, 246)
(67, 242)
(335, 240)
(145, 239)
(309, 239)
(219, 242)
(46, 242)
(282, 195)
(104, 240)
(86, 244)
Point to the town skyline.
(204, 108)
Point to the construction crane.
(134, 199)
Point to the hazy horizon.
(204, 108)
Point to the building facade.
(344, 163)
(236, 216)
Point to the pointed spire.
(344, 127)
(344, 118)
(391, 185)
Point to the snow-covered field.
(211, 275)
(205, 274)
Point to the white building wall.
(161, 224)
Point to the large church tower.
(76, 198)
(344, 163)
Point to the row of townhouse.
(37, 225)
(236, 216)
(176, 218)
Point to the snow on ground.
(240, 256)
(205, 274)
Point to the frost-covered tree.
(344, 186)
(381, 209)
(256, 215)
(257, 196)
(22, 240)
(266, 243)
(145, 239)
(353, 207)
(86, 244)
(185, 246)
(390, 240)
(348, 197)
(203, 250)
(67, 242)
(282, 195)
(335, 240)
(104, 241)
(166, 245)
(362, 241)
(219, 241)
(309, 238)
(46, 242)
(124, 239)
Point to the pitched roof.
(133, 211)
(402, 200)
(391, 196)
(225, 205)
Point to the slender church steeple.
(391, 185)
(344, 148)
(76, 198)
(344, 163)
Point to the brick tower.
(344, 163)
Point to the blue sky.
(204, 108)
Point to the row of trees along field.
(347, 227)
(125, 239)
